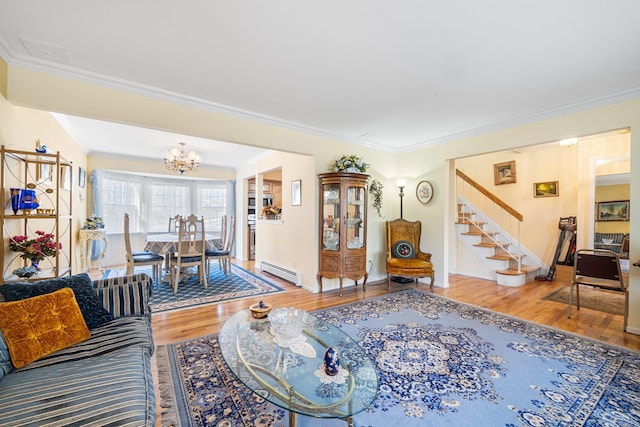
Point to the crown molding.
(63, 70)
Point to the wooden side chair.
(190, 250)
(174, 224)
(600, 269)
(140, 258)
(223, 255)
(404, 258)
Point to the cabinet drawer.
(354, 263)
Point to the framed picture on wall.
(546, 189)
(296, 193)
(82, 177)
(613, 211)
(504, 173)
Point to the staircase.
(492, 234)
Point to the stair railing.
(487, 205)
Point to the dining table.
(166, 243)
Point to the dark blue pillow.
(92, 310)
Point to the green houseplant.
(375, 192)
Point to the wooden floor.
(524, 302)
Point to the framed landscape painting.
(546, 189)
(613, 211)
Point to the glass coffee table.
(293, 377)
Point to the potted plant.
(375, 192)
(35, 249)
(350, 163)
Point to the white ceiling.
(394, 75)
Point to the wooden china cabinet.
(343, 227)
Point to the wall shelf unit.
(49, 178)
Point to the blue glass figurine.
(331, 361)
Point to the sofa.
(76, 352)
(609, 241)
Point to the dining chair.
(174, 223)
(190, 250)
(223, 255)
(140, 258)
(600, 269)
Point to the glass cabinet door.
(331, 217)
(355, 220)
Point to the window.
(150, 201)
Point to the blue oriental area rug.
(220, 288)
(439, 363)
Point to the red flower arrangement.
(35, 249)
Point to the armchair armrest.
(126, 295)
(424, 256)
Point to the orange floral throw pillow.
(36, 327)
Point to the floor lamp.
(401, 184)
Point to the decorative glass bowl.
(287, 324)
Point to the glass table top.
(293, 377)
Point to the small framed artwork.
(65, 177)
(296, 193)
(424, 192)
(82, 177)
(546, 189)
(43, 173)
(613, 211)
(504, 173)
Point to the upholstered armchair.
(404, 258)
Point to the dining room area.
(167, 226)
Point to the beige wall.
(286, 242)
(55, 93)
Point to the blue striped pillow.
(128, 299)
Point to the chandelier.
(176, 160)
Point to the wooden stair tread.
(505, 257)
(479, 233)
(513, 272)
(490, 245)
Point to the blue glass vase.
(15, 200)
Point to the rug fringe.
(168, 411)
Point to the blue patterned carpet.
(220, 288)
(440, 363)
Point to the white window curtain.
(150, 201)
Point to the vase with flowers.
(93, 222)
(36, 248)
(350, 163)
(271, 212)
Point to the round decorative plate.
(403, 249)
(424, 192)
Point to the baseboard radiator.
(281, 272)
